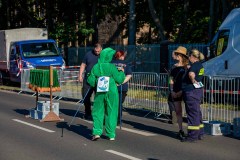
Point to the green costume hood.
(104, 67)
(106, 55)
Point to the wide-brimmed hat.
(181, 50)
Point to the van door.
(15, 63)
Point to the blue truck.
(26, 48)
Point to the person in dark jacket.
(89, 60)
(119, 61)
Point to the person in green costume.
(105, 105)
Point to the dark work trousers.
(124, 94)
(192, 101)
(87, 100)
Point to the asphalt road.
(140, 138)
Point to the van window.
(219, 45)
(39, 50)
(222, 42)
(17, 50)
(12, 50)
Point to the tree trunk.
(225, 8)
(49, 22)
(95, 23)
(132, 24)
(156, 20)
(211, 22)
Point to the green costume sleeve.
(118, 76)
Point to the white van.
(224, 54)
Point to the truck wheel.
(1, 78)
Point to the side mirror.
(17, 56)
(208, 52)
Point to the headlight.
(29, 65)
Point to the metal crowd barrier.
(149, 91)
(70, 87)
(142, 93)
(221, 98)
(68, 80)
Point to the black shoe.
(186, 139)
(181, 134)
(201, 137)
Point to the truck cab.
(30, 54)
(26, 48)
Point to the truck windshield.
(39, 50)
(219, 45)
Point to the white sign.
(103, 84)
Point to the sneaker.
(181, 134)
(112, 139)
(95, 137)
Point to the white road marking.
(130, 130)
(137, 131)
(32, 125)
(122, 155)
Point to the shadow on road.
(151, 129)
(81, 130)
(22, 111)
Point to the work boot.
(201, 137)
(189, 140)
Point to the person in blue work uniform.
(89, 60)
(192, 89)
(118, 60)
(105, 77)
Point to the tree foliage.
(70, 21)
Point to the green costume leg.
(112, 101)
(98, 114)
